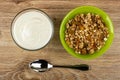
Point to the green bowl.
(87, 9)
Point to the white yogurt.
(32, 29)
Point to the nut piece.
(86, 33)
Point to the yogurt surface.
(32, 29)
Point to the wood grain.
(14, 60)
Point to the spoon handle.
(83, 67)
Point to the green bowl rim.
(104, 48)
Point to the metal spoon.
(43, 65)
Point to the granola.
(86, 33)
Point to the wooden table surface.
(14, 60)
